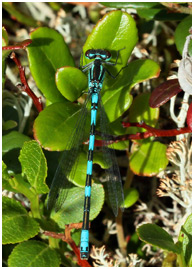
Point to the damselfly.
(96, 74)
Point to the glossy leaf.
(79, 178)
(116, 99)
(149, 159)
(13, 140)
(17, 226)
(131, 196)
(71, 82)
(116, 102)
(33, 254)
(185, 237)
(141, 111)
(189, 116)
(117, 128)
(71, 211)
(156, 236)
(47, 53)
(164, 92)
(122, 26)
(9, 124)
(159, 14)
(34, 166)
(136, 72)
(182, 31)
(55, 124)
(131, 4)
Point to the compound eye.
(103, 56)
(106, 55)
(90, 54)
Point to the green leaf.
(122, 26)
(34, 166)
(14, 183)
(71, 82)
(13, 140)
(116, 128)
(79, 178)
(116, 99)
(185, 238)
(149, 159)
(156, 236)
(7, 179)
(136, 72)
(5, 40)
(46, 54)
(131, 196)
(141, 111)
(72, 210)
(159, 13)
(5, 173)
(9, 124)
(33, 254)
(116, 102)
(135, 5)
(135, 245)
(58, 120)
(17, 226)
(182, 31)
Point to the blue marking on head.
(103, 55)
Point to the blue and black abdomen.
(84, 246)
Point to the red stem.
(37, 101)
(67, 238)
(21, 45)
(151, 132)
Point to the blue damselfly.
(96, 74)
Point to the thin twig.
(142, 135)
(66, 237)
(24, 86)
(177, 8)
(18, 46)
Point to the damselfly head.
(104, 55)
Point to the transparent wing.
(113, 178)
(68, 162)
